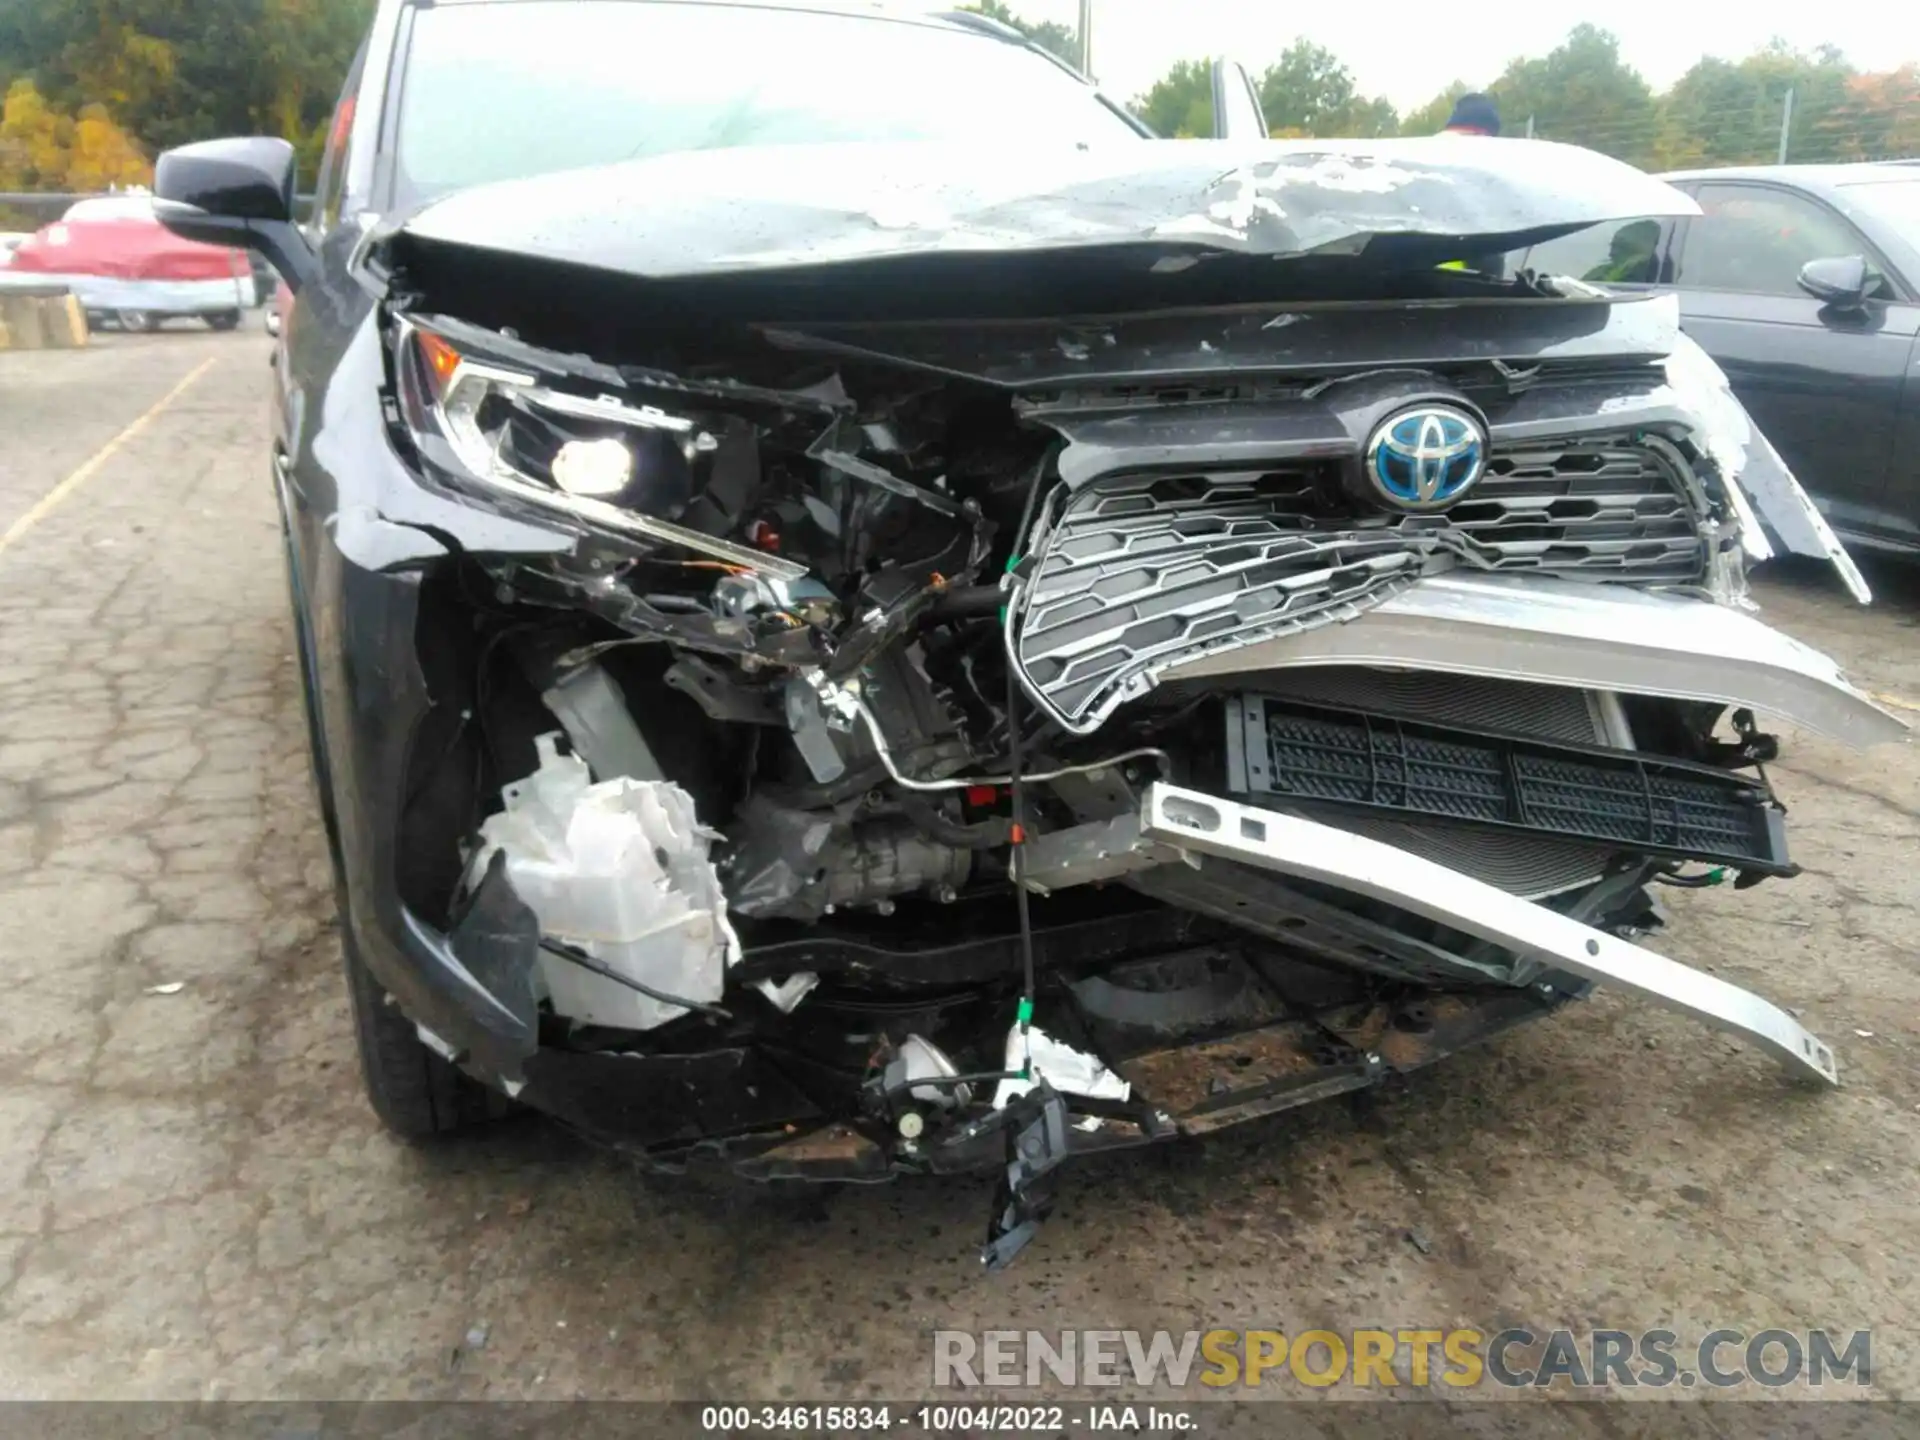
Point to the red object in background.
(125, 243)
(342, 123)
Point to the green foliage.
(1309, 92)
(1431, 118)
(1721, 112)
(1581, 91)
(1876, 117)
(43, 148)
(171, 71)
(1047, 34)
(102, 156)
(32, 148)
(1180, 105)
(110, 82)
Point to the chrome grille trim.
(1600, 510)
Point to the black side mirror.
(1842, 281)
(235, 192)
(1236, 104)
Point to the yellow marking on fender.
(50, 501)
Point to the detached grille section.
(1313, 757)
(1142, 571)
(1139, 572)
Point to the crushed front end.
(884, 743)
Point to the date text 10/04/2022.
(948, 1419)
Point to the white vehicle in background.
(10, 240)
(122, 264)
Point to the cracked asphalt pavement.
(198, 1204)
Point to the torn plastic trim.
(1752, 467)
(1592, 637)
(496, 944)
(374, 543)
(1040, 1059)
(1037, 1144)
(833, 451)
(553, 364)
(497, 1034)
(1062, 365)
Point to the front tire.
(137, 322)
(223, 320)
(417, 1094)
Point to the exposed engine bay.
(947, 745)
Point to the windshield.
(1895, 201)
(503, 91)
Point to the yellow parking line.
(1895, 701)
(50, 501)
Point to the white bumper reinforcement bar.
(1187, 820)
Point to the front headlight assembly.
(628, 470)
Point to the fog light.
(593, 467)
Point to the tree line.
(1720, 112)
(94, 88)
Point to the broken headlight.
(635, 470)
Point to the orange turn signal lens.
(440, 357)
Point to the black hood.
(783, 208)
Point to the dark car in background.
(862, 616)
(1803, 281)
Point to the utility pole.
(1529, 127)
(1786, 124)
(1086, 38)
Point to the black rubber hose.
(607, 972)
(969, 602)
(927, 819)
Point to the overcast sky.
(1409, 52)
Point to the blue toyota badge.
(1426, 458)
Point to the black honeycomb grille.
(1308, 755)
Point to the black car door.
(1822, 382)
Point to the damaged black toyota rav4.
(863, 616)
